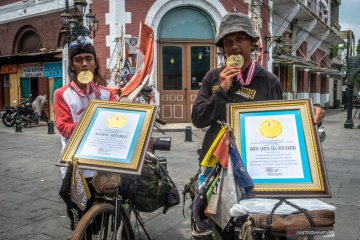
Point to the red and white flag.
(143, 66)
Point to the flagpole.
(122, 46)
(137, 55)
(119, 63)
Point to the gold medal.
(235, 61)
(84, 77)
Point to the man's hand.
(226, 77)
(319, 115)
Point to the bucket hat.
(235, 22)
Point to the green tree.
(358, 47)
(334, 50)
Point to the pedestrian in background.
(230, 84)
(70, 103)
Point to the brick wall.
(47, 26)
(240, 6)
(101, 8)
(138, 9)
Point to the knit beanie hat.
(81, 45)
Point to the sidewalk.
(32, 209)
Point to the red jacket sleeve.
(64, 121)
(112, 96)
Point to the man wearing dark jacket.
(232, 84)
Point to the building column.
(303, 84)
(286, 80)
(324, 91)
(315, 88)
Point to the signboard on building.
(53, 69)
(132, 43)
(8, 69)
(33, 70)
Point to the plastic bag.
(80, 192)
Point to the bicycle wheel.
(99, 221)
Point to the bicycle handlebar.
(160, 121)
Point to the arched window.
(29, 42)
(186, 23)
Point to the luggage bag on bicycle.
(151, 190)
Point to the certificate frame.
(280, 147)
(111, 137)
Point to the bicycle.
(108, 218)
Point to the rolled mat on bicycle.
(282, 215)
(321, 218)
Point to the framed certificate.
(112, 137)
(280, 147)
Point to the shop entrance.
(186, 51)
(29, 86)
(182, 68)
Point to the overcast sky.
(349, 17)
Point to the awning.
(307, 64)
(298, 61)
(44, 56)
(327, 71)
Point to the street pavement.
(29, 182)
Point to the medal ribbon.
(91, 87)
(249, 76)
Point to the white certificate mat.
(273, 147)
(111, 135)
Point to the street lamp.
(73, 21)
(349, 121)
(73, 26)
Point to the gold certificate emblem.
(235, 61)
(270, 128)
(84, 77)
(116, 121)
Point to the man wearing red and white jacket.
(70, 103)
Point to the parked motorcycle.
(25, 112)
(33, 112)
(9, 116)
